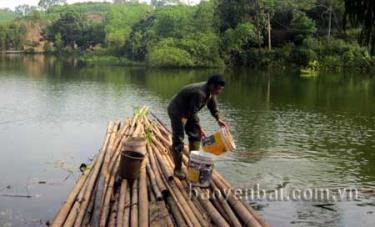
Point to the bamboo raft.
(156, 198)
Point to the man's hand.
(222, 123)
(203, 133)
(184, 120)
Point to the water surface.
(291, 132)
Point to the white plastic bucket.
(200, 169)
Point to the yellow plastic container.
(218, 143)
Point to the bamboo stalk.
(159, 136)
(233, 220)
(99, 195)
(90, 187)
(113, 212)
(121, 207)
(150, 191)
(246, 218)
(175, 212)
(185, 203)
(167, 172)
(152, 181)
(64, 211)
(159, 215)
(90, 209)
(126, 218)
(226, 185)
(155, 170)
(182, 188)
(171, 194)
(75, 209)
(134, 205)
(107, 196)
(220, 209)
(143, 197)
(211, 210)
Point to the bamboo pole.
(90, 209)
(108, 196)
(134, 205)
(233, 220)
(211, 210)
(168, 173)
(155, 170)
(185, 203)
(75, 209)
(152, 182)
(182, 189)
(245, 216)
(122, 199)
(98, 197)
(172, 194)
(143, 197)
(220, 209)
(176, 212)
(150, 191)
(126, 218)
(113, 212)
(64, 211)
(226, 185)
(90, 188)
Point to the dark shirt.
(192, 98)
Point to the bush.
(203, 48)
(302, 56)
(169, 57)
(331, 63)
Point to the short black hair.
(216, 80)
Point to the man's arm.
(212, 106)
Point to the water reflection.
(292, 131)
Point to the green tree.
(301, 26)
(75, 29)
(6, 15)
(59, 43)
(15, 36)
(3, 37)
(47, 4)
(235, 41)
(362, 13)
(70, 25)
(24, 10)
(119, 22)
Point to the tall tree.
(47, 4)
(24, 10)
(362, 13)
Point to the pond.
(292, 132)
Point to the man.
(183, 110)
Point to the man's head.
(215, 84)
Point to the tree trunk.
(269, 30)
(329, 21)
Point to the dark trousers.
(192, 129)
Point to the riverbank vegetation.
(311, 34)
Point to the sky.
(11, 4)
